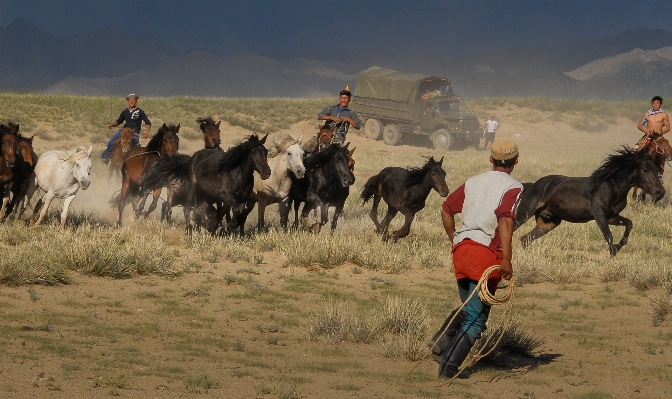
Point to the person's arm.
(353, 121)
(666, 124)
(117, 122)
(639, 125)
(496, 125)
(505, 227)
(148, 124)
(112, 125)
(147, 129)
(448, 225)
(322, 116)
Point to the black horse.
(405, 191)
(326, 183)
(15, 171)
(226, 178)
(600, 197)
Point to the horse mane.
(74, 155)
(155, 142)
(415, 176)
(318, 158)
(205, 123)
(9, 128)
(624, 158)
(310, 144)
(235, 155)
(281, 142)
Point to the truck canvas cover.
(377, 82)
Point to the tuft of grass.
(661, 304)
(200, 384)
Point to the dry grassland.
(144, 311)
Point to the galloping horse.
(600, 197)
(30, 158)
(176, 188)
(328, 175)
(660, 150)
(120, 147)
(138, 160)
(405, 191)
(13, 176)
(226, 178)
(285, 157)
(61, 174)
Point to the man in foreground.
(488, 204)
(341, 116)
(655, 119)
(133, 118)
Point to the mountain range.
(634, 65)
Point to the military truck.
(393, 104)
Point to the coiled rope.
(501, 324)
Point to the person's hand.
(110, 126)
(144, 136)
(506, 269)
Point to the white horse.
(60, 174)
(285, 156)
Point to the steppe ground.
(241, 329)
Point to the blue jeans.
(108, 150)
(476, 311)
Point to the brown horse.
(11, 166)
(660, 150)
(325, 136)
(138, 161)
(211, 133)
(120, 147)
(30, 158)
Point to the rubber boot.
(454, 356)
(447, 337)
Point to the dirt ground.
(205, 335)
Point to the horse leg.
(284, 206)
(261, 210)
(110, 172)
(391, 213)
(374, 214)
(32, 187)
(338, 209)
(155, 201)
(544, 225)
(405, 229)
(66, 206)
(47, 201)
(188, 203)
(621, 221)
(125, 185)
(297, 205)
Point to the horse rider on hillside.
(488, 204)
(133, 118)
(341, 116)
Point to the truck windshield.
(449, 106)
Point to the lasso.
(502, 323)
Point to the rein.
(143, 154)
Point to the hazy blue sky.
(454, 28)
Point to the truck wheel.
(443, 140)
(373, 129)
(391, 135)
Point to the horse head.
(165, 141)
(26, 150)
(340, 162)
(81, 166)
(259, 156)
(10, 147)
(647, 176)
(436, 176)
(126, 139)
(294, 158)
(211, 133)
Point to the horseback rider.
(340, 117)
(655, 120)
(133, 118)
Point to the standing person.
(491, 126)
(133, 118)
(655, 119)
(340, 115)
(488, 204)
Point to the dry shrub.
(661, 304)
(32, 264)
(517, 340)
(342, 322)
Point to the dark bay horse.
(176, 186)
(139, 160)
(226, 178)
(13, 171)
(600, 197)
(328, 179)
(119, 149)
(658, 147)
(405, 191)
(299, 192)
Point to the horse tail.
(369, 189)
(167, 170)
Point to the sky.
(405, 27)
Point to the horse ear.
(89, 150)
(31, 138)
(346, 146)
(177, 129)
(300, 140)
(218, 123)
(441, 161)
(264, 139)
(352, 151)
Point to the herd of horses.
(219, 188)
